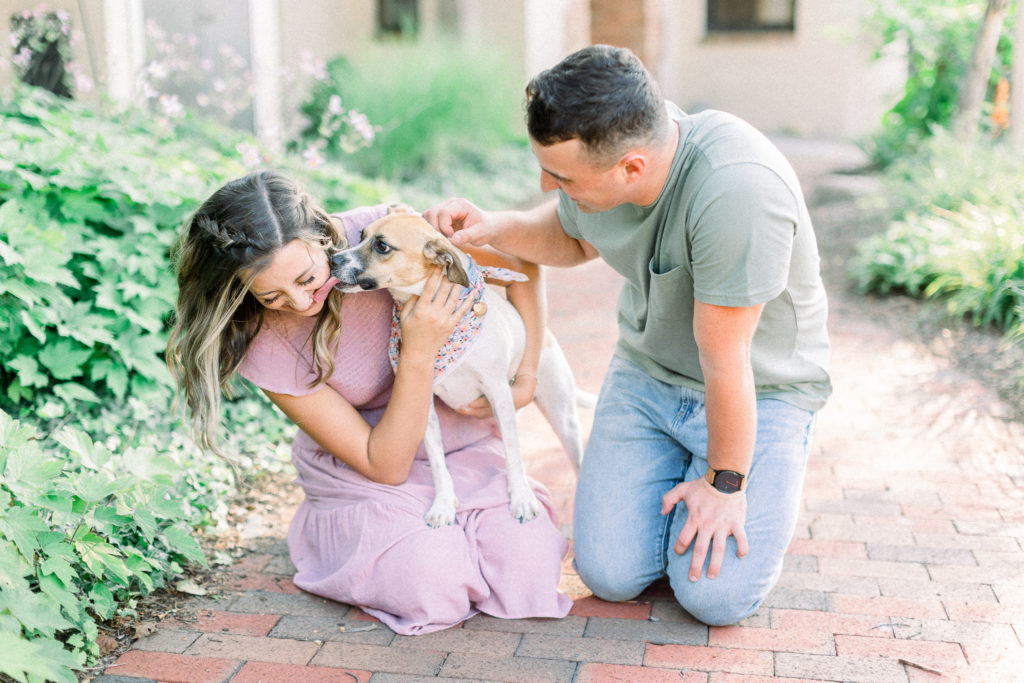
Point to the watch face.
(728, 481)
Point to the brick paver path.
(907, 563)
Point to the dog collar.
(467, 331)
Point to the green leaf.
(33, 326)
(41, 659)
(113, 374)
(28, 371)
(35, 611)
(102, 600)
(96, 486)
(101, 557)
(183, 542)
(30, 471)
(73, 391)
(64, 358)
(13, 568)
(59, 563)
(57, 590)
(22, 525)
(146, 521)
(92, 455)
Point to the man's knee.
(716, 602)
(607, 577)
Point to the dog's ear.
(399, 208)
(445, 255)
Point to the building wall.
(818, 81)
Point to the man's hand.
(461, 221)
(522, 393)
(712, 516)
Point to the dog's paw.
(524, 505)
(441, 513)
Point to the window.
(727, 16)
(397, 18)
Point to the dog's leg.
(442, 510)
(522, 500)
(555, 396)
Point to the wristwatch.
(727, 481)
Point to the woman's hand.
(428, 319)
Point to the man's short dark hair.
(601, 95)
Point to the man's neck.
(660, 159)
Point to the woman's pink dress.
(367, 544)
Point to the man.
(694, 467)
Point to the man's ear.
(444, 254)
(633, 166)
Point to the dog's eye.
(381, 247)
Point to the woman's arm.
(384, 453)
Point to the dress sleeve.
(357, 219)
(279, 362)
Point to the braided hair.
(226, 244)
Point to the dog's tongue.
(321, 294)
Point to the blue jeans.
(647, 437)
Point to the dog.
(397, 253)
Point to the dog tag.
(479, 309)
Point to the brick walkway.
(907, 563)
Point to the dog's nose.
(367, 283)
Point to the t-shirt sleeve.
(274, 363)
(742, 239)
(567, 216)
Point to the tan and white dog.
(397, 252)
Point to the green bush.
(957, 233)
(84, 532)
(445, 118)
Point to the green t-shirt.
(730, 228)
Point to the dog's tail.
(585, 399)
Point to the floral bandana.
(468, 329)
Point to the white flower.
(171, 106)
(83, 83)
(312, 156)
(362, 125)
(334, 105)
(250, 154)
(313, 65)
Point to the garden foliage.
(937, 39)
(100, 486)
(446, 119)
(957, 233)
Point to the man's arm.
(534, 235)
(724, 337)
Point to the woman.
(255, 298)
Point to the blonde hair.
(229, 240)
